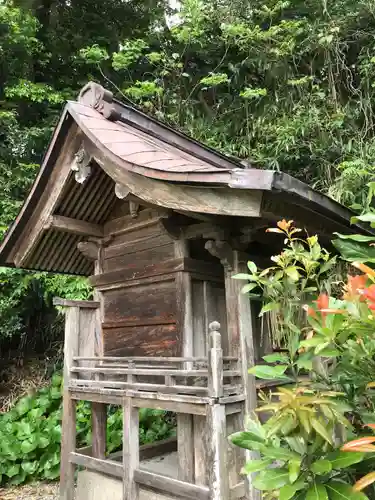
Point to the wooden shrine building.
(159, 223)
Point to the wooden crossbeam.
(172, 486)
(74, 226)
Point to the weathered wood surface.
(172, 486)
(68, 440)
(217, 452)
(130, 450)
(74, 226)
(90, 304)
(110, 467)
(215, 363)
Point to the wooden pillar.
(185, 427)
(130, 449)
(217, 452)
(68, 440)
(241, 317)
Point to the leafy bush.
(301, 446)
(30, 434)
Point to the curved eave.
(163, 174)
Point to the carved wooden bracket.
(223, 251)
(81, 165)
(93, 249)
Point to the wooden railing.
(214, 376)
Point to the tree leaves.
(317, 492)
(342, 459)
(271, 479)
(343, 491)
(269, 372)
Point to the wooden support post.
(185, 428)
(247, 353)
(217, 452)
(99, 424)
(68, 441)
(130, 450)
(215, 362)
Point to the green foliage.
(301, 270)
(30, 434)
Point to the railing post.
(130, 449)
(215, 362)
(68, 441)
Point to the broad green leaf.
(313, 342)
(271, 479)
(343, 459)
(271, 306)
(354, 251)
(30, 467)
(297, 444)
(269, 372)
(288, 491)
(242, 276)
(355, 237)
(292, 273)
(343, 491)
(252, 267)
(247, 440)
(294, 470)
(277, 356)
(317, 492)
(247, 288)
(329, 352)
(13, 470)
(321, 430)
(321, 466)
(28, 446)
(256, 466)
(305, 361)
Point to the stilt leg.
(68, 445)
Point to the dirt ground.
(36, 491)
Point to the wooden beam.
(109, 467)
(172, 486)
(74, 226)
(89, 304)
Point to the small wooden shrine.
(159, 223)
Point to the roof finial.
(99, 98)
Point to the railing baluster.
(215, 362)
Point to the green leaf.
(305, 361)
(271, 306)
(294, 470)
(289, 490)
(292, 273)
(269, 372)
(321, 466)
(242, 276)
(252, 267)
(277, 356)
(355, 237)
(247, 288)
(313, 342)
(28, 446)
(317, 492)
(321, 430)
(271, 479)
(30, 467)
(343, 459)
(13, 470)
(247, 440)
(354, 251)
(343, 491)
(256, 466)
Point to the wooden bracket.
(93, 249)
(81, 165)
(223, 251)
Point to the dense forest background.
(286, 85)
